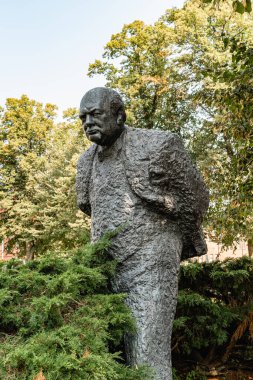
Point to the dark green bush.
(214, 298)
(58, 317)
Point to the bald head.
(103, 115)
(110, 98)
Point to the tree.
(25, 125)
(137, 62)
(38, 172)
(232, 212)
(180, 82)
(222, 62)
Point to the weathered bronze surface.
(144, 180)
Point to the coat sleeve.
(172, 171)
(84, 172)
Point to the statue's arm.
(84, 169)
(181, 183)
(189, 182)
(173, 172)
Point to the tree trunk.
(29, 251)
(250, 247)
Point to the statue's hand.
(157, 176)
(170, 205)
(165, 203)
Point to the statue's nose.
(89, 120)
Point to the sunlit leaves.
(239, 6)
(38, 169)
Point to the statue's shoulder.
(137, 133)
(152, 140)
(87, 155)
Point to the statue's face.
(99, 123)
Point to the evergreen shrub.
(215, 300)
(58, 319)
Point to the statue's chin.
(102, 139)
(96, 138)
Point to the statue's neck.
(112, 149)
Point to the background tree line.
(37, 173)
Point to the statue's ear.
(121, 117)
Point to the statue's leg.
(151, 277)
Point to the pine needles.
(58, 319)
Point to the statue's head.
(103, 115)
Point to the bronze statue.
(144, 180)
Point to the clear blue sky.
(47, 45)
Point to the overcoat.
(160, 172)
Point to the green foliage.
(25, 124)
(59, 319)
(208, 47)
(38, 170)
(231, 213)
(138, 62)
(238, 5)
(213, 299)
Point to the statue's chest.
(112, 201)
